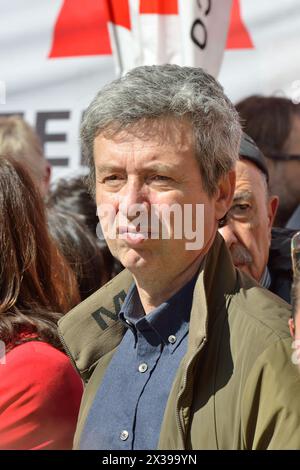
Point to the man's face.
(159, 169)
(248, 231)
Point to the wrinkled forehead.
(167, 130)
(249, 178)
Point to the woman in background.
(80, 249)
(40, 391)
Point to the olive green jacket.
(236, 387)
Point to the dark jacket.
(280, 262)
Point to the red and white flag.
(184, 32)
(140, 32)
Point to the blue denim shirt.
(129, 405)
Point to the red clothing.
(40, 394)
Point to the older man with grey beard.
(181, 350)
(256, 248)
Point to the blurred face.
(285, 176)
(294, 325)
(155, 171)
(248, 231)
(292, 169)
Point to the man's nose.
(132, 199)
(228, 234)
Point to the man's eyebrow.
(242, 196)
(107, 168)
(159, 167)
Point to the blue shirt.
(129, 405)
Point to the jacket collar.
(92, 329)
(215, 284)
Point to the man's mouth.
(131, 235)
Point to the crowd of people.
(135, 341)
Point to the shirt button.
(172, 339)
(143, 367)
(124, 435)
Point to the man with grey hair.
(180, 350)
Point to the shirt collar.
(167, 324)
(265, 280)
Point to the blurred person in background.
(40, 390)
(72, 196)
(294, 322)
(256, 248)
(19, 139)
(295, 255)
(274, 124)
(80, 249)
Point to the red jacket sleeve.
(40, 394)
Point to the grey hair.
(158, 91)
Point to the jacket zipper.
(184, 388)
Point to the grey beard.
(240, 255)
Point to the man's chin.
(134, 260)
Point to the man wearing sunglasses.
(274, 124)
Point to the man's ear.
(225, 193)
(273, 204)
(292, 327)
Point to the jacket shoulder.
(259, 308)
(95, 317)
(270, 404)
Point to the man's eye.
(112, 178)
(160, 178)
(240, 210)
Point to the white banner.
(56, 54)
